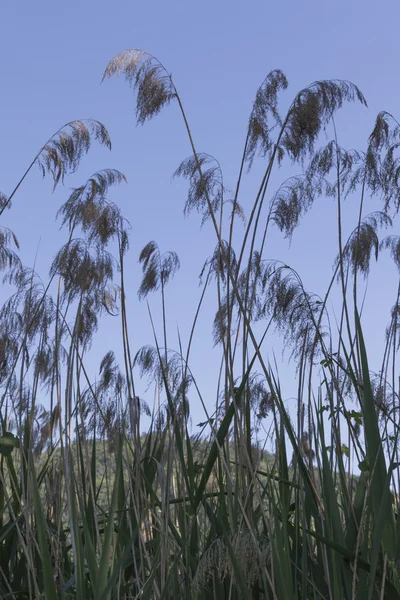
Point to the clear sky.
(52, 57)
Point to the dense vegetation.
(93, 507)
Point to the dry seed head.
(147, 77)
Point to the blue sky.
(52, 57)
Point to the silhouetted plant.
(93, 507)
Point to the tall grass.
(92, 507)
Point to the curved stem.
(10, 197)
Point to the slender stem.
(340, 242)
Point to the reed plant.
(93, 507)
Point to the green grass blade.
(46, 561)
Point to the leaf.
(211, 421)
(363, 466)
(46, 560)
(385, 530)
(357, 416)
(345, 450)
(8, 442)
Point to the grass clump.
(93, 507)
